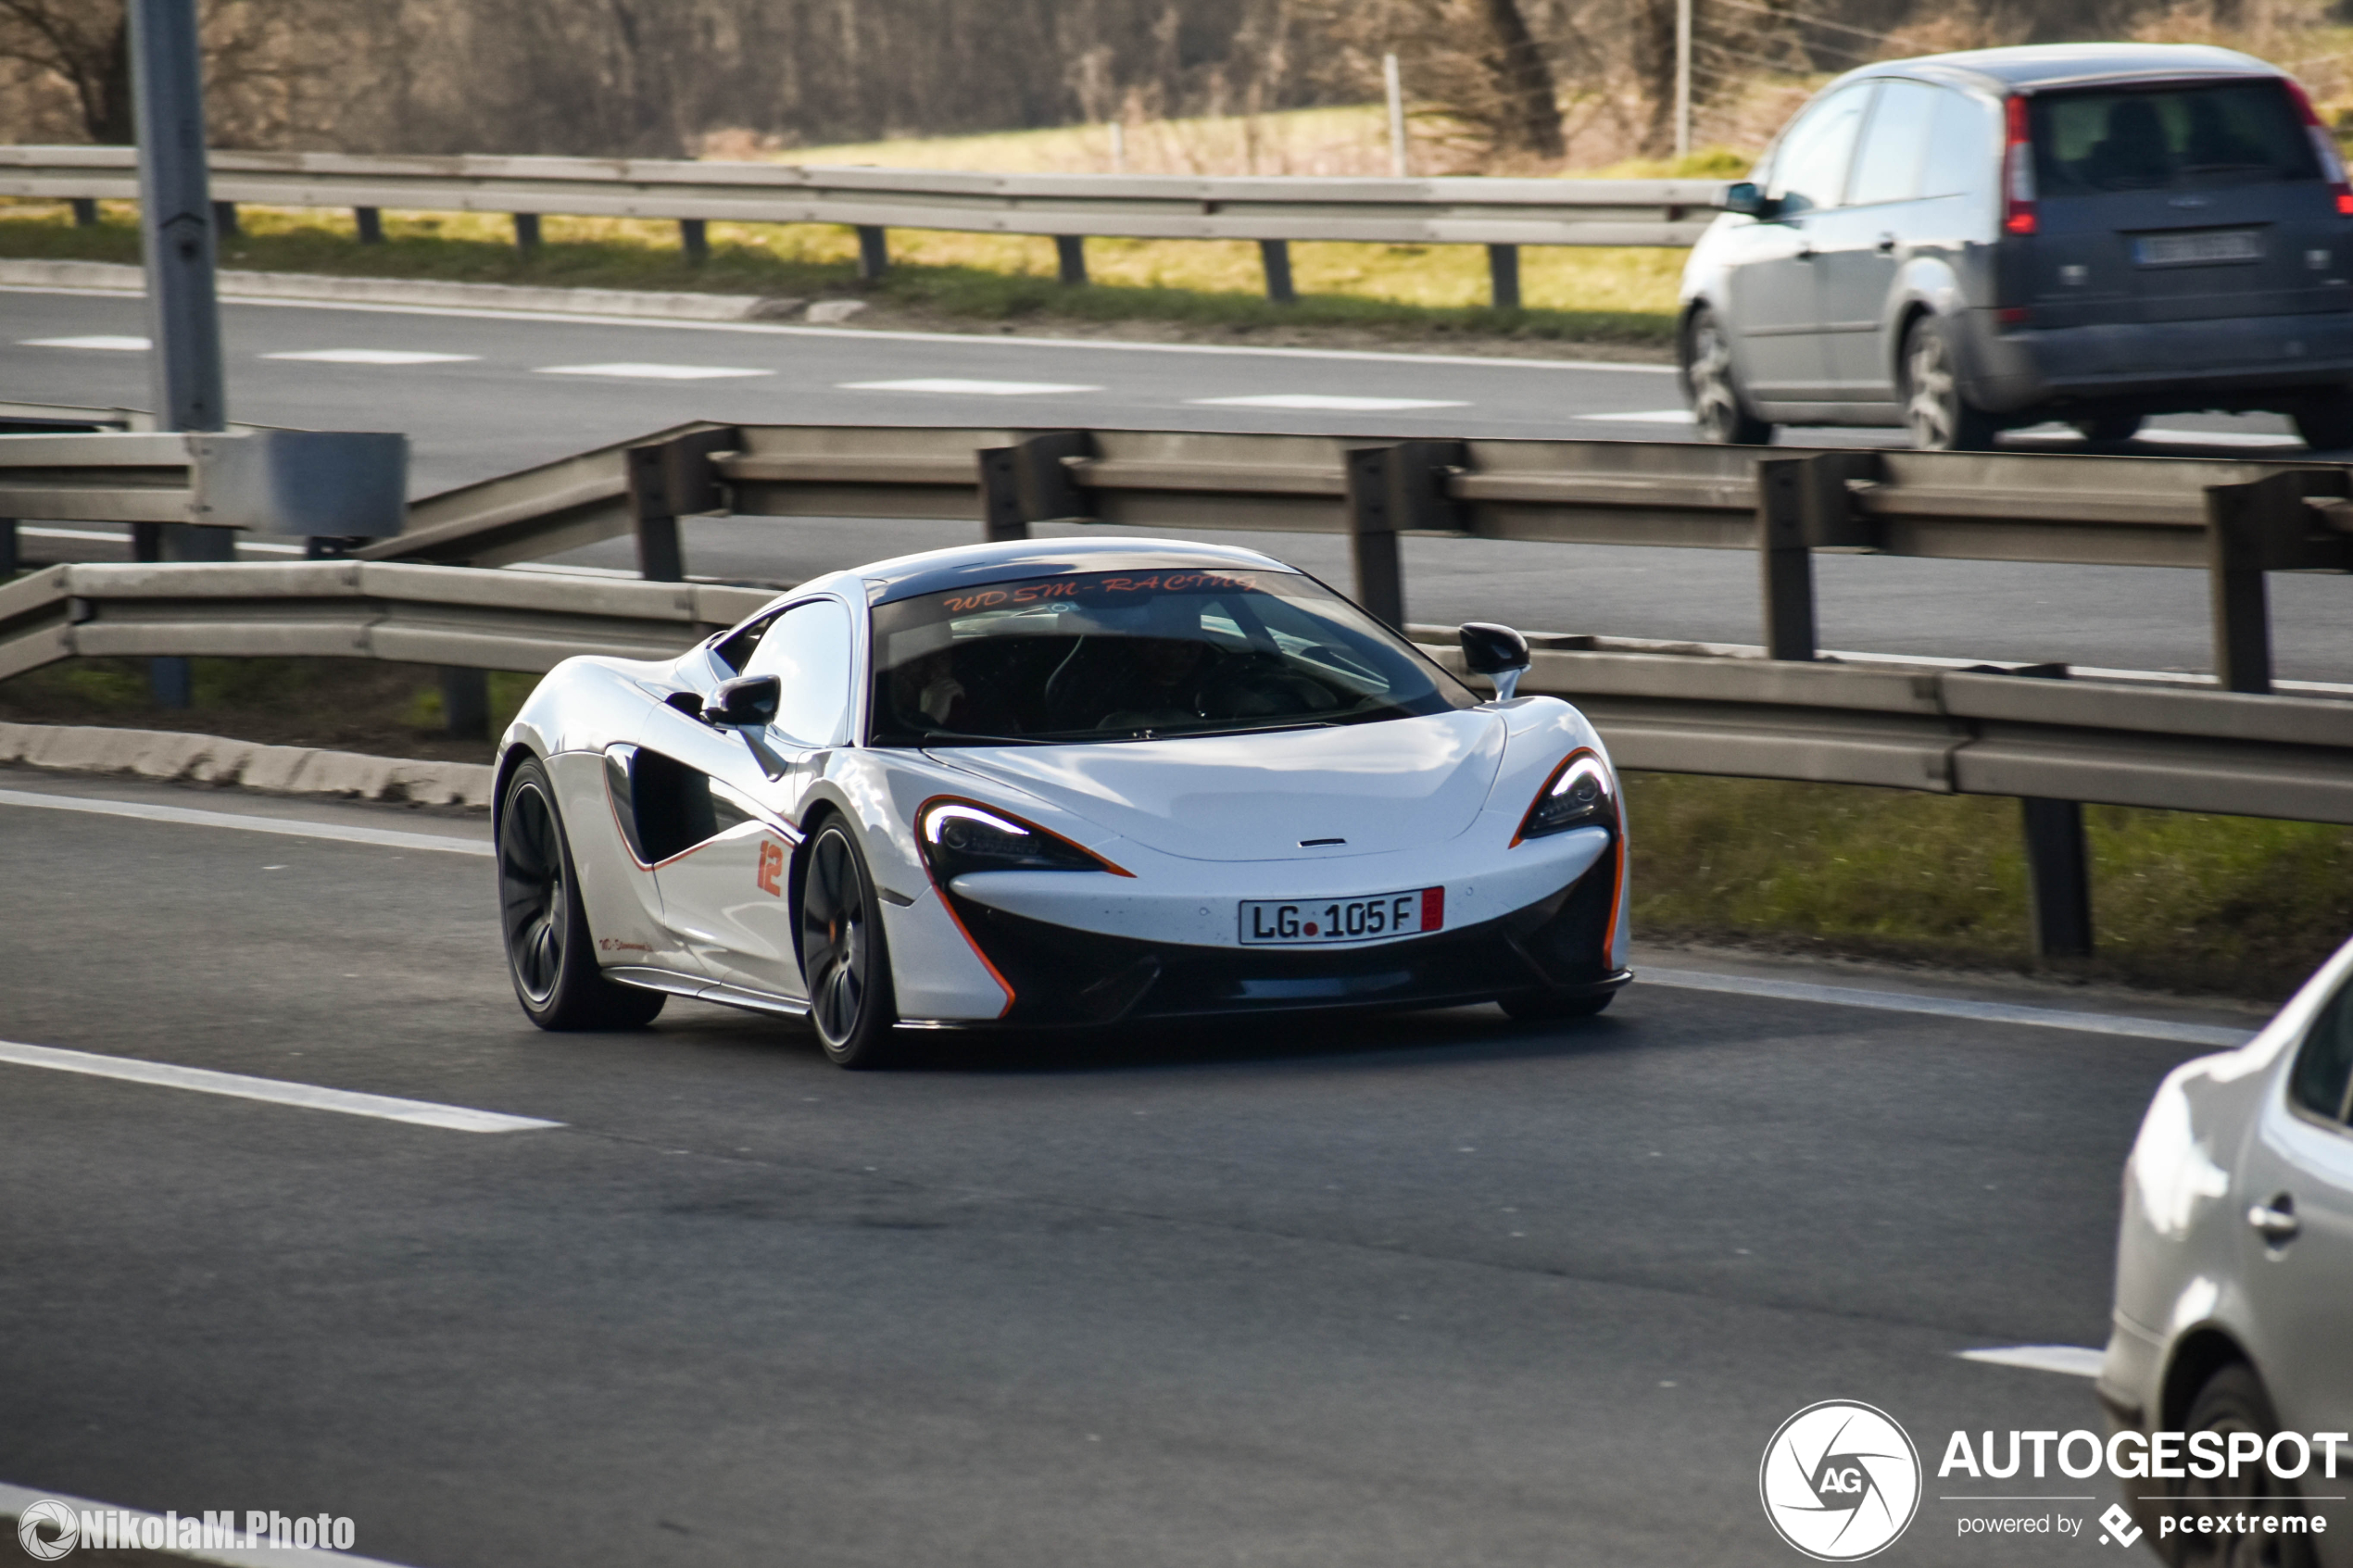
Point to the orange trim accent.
(1616, 893)
(954, 919)
(1520, 833)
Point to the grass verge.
(2229, 906)
(1574, 294)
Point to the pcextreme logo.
(1840, 1481)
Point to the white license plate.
(2178, 250)
(1284, 922)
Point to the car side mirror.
(747, 699)
(1743, 197)
(1497, 652)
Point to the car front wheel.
(1718, 411)
(1939, 419)
(843, 956)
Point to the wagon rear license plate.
(2189, 250)
(1281, 923)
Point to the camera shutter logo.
(57, 1517)
(1840, 1481)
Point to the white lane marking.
(386, 838)
(1325, 400)
(29, 531)
(274, 1091)
(109, 344)
(1646, 417)
(14, 1501)
(1947, 1007)
(631, 371)
(957, 385)
(373, 356)
(2075, 1361)
(2218, 438)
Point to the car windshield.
(2169, 138)
(1130, 655)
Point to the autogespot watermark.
(1842, 1481)
(49, 1530)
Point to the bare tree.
(85, 43)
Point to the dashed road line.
(271, 1091)
(2071, 1360)
(631, 371)
(961, 386)
(1325, 400)
(109, 344)
(373, 356)
(292, 827)
(1640, 417)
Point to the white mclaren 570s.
(1053, 783)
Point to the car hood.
(1382, 786)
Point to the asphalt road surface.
(1434, 1288)
(486, 394)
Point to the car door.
(729, 897)
(2293, 1202)
(1860, 245)
(1776, 300)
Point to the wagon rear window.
(1126, 656)
(2169, 138)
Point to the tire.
(1538, 1007)
(552, 957)
(2326, 422)
(844, 957)
(1939, 418)
(2232, 1400)
(1719, 412)
(2109, 430)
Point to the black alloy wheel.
(1939, 418)
(843, 956)
(1718, 411)
(2234, 1401)
(551, 955)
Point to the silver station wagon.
(2091, 234)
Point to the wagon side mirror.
(747, 699)
(1497, 652)
(1743, 197)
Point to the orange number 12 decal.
(771, 864)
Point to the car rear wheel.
(1719, 410)
(550, 956)
(2234, 1401)
(2326, 422)
(843, 955)
(1939, 419)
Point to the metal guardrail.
(348, 485)
(1502, 214)
(1905, 727)
(2236, 520)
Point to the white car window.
(2324, 1065)
(1888, 167)
(1964, 147)
(1809, 167)
(807, 649)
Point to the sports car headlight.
(959, 836)
(1580, 794)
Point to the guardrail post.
(85, 212)
(669, 479)
(1070, 259)
(1028, 482)
(1785, 560)
(8, 553)
(371, 224)
(2059, 874)
(2249, 529)
(526, 231)
(224, 220)
(1275, 256)
(873, 253)
(693, 237)
(1395, 488)
(465, 702)
(1502, 277)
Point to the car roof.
(2034, 66)
(905, 577)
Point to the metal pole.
(176, 218)
(1394, 84)
(1682, 78)
(1118, 148)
